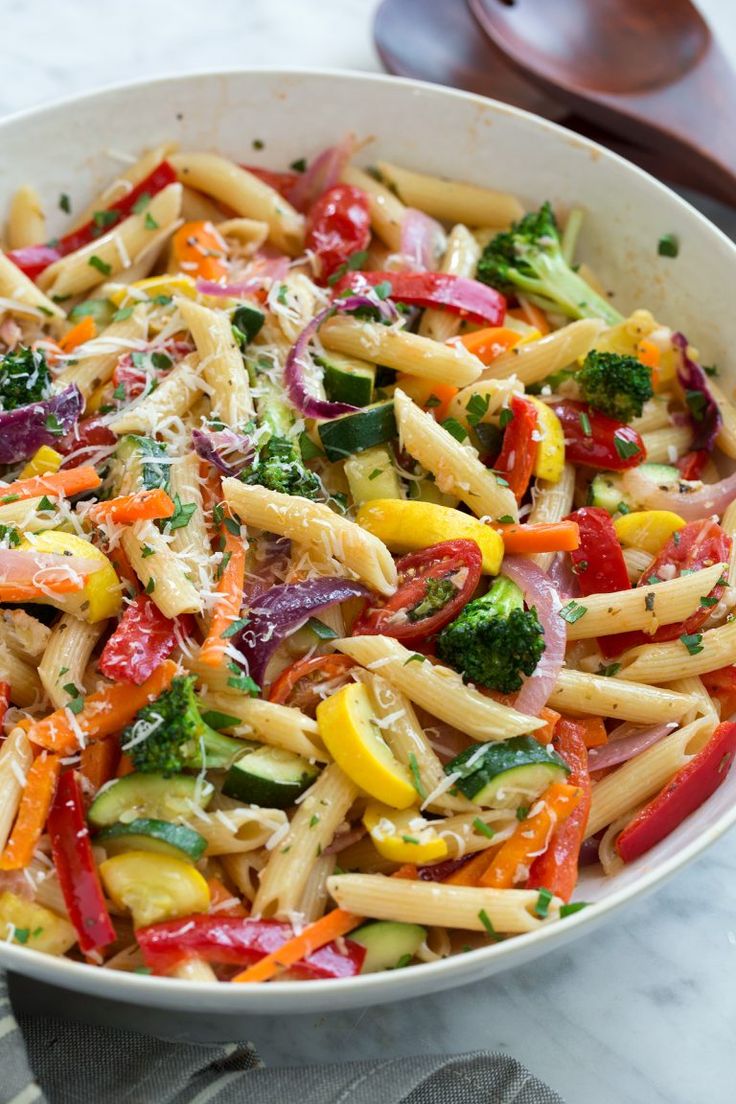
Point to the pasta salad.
(364, 572)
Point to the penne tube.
(233, 830)
(386, 209)
(175, 395)
(220, 363)
(114, 252)
(666, 445)
(19, 294)
(248, 196)
(456, 467)
(26, 221)
(657, 663)
(95, 365)
(66, 656)
(159, 569)
(578, 692)
(452, 200)
(637, 561)
(265, 721)
(643, 607)
(315, 896)
(25, 685)
(191, 542)
(401, 350)
(23, 634)
(437, 689)
(532, 361)
(460, 259)
(381, 898)
(497, 392)
(316, 526)
(125, 182)
(655, 415)
(551, 502)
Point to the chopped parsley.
(405, 960)
(609, 669)
(417, 657)
(431, 402)
(141, 203)
(102, 219)
(585, 423)
(354, 262)
(258, 144)
(649, 601)
(668, 246)
(383, 290)
(150, 585)
(410, 839)
(146, 551)
(505, 417)
(9, 535)
(454, 428)
(149, 223)
(22, 935)
(314, 819)
(375, 474)
(44, 505)
(300, 165)
(572, 908)
(486, 922)
(542, 904)
(122, 314)
(573, 611)
(102, 266)
(708, 601)
(320, 630)
(505, 519)
(182, 514)
(692, 642)
(234, 627)
(53, 425)
(522, 812)
(477, 407)
(625, 449)
(416, 776)
(697, 404)
(65, 204)
(483, 828)
(218, 720)
(243, 682)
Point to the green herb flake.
(417, 657)
(65, 203)
(53, 425)
(122, 314)
(22, 935)
(522, 812)
(246, 684)
(76, 705)
(142, 970)
(477, 408)
(709, 601)
(149, 223)
(506, 416)
(585, 424)
(150, 585)
(234, 627)
(623, 508)
(572, 908)
(609, 670)
(375, 474)
(147, 551)
(300, 165)
(455, 429)
(649, 601)
(102, 266)
(215, 719)
(483, 828)
(383, 290)
(141, 203)
(416, 776)
(432, 402)
(182, 514)
(258, 144)
(505, 519)
(486, 922)
(668, 246)
(697, 404)
(405, 960)
(710, 370)
(692, 642)
(626, 449)
(308, 449)
(543, 902)
(410, 839)
(44, 505)
(104, 218)
(314, 819)
(320, 630)
(573, 611)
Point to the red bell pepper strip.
(557, 869)
(75, 866)
(338, 226)
(459, 294)
(516, 460)
(143, 639)
(600, 568)
(692, 464)
(281, 182)
(692, 785)
(597, 441)
(239, 941)
(33, 259)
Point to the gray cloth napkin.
(48, 1061)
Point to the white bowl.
(70, 148)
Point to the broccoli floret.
(617, 385)
(280, 468)
(528, 257)
(24, 378)
(494, 640)
(175, 737)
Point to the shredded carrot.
(469, 874)
(329, 927)
(33, 810)
(127, 509)
(531, 836)
(104, 713)
(532, 315)
(490, 342)
(219, 894)
(552, 536)
(230, 599)
(84, 330)
(199, 249)
(551, 718)
(593, 731)
(99, 761)
(70, 481)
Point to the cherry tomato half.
(299, 685)
(338, 225)
(700, 544)
(434, 584)
(80, 444)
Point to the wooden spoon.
(648, 70)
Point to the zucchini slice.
(351, 433)
(347, 380)
(149, 796)
(269, 777)
(148, 834)
(371, 474)
(507, 774)
(388, 944)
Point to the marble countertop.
(641, 1011)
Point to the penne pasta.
(26, 221)
(658, 663)
(175, 395)
(220, 363)
(460, 259)
(580, 693)
(162, 574)
(19, 295)
(386, 209)
(66, 656)
(533, 361)
(451, 200)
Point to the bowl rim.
(424, 977)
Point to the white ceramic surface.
(74, 146)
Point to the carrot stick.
(127, 509)
(70, 481)
(32, 812)
(329, 927)
(198, 250)
(593, 731)
(469, 874)
(553, 536)
(84, 330)
(531, 836)
(98, 762)
(490, 342)
(230, 591)
(104, 713)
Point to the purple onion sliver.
(622, 749)
(24, 430)
(541, 593)
(323, 173)
(705, 416)
(281, 611)
(225, 449)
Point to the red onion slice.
(619, 749)
(423, 240)
(704, 415)
(18, 566)
(323, 173)
(691, 500)
(281, 611)
(225, 449)
(298, 360)
(24, 430)
(541, 593)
